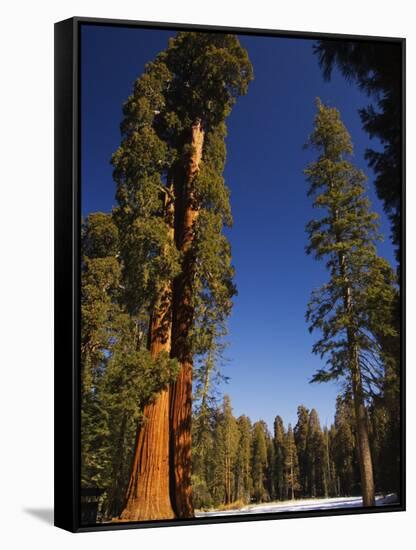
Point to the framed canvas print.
(229, 303)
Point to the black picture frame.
(67, 277)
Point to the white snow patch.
(299, 505)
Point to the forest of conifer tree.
(237, 461)
(159, 437)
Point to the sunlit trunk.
(181, 391)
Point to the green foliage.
(359, 295)
(315, 451)
(376, 67)
(301, 435)
(99, 236)
(118, 374)
(201, 494)
(210, 70)
(279, 441)
(259, 461)
(271, 467)
(385, 412)
(226, 445)
(344, 447)
(291, 464)
(198, 77)
(231, 452)
(99, 287)
(243, 479)
(141, 165)
(203, 460)
(385, 428)
(131, 256)
(330, 469)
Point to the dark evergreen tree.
(101, 274)
(226, 440)
(280, 458)
(270, 481)
(386, 409)
(99, 287)
(231, 439)
(202, 453)
(291, 465)
(237, 454)
(345, 447)
(259, 461)
(301, 434)
(316, 455)
(330, 471)
(360, 292)
(243, 477)
(376, 67)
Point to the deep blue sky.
(269, 353)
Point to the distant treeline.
(237, 461)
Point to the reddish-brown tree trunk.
(148, 492)
(181, 391)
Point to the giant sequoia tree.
(355, 306)
(172, 206)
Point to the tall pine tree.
(316, 458)
(259, 461)
(345, 446)
(280, 458)
(243, 478)
(291, 465)
(376, 68)
(359, 293)
(301, 434)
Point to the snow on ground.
(299, 505)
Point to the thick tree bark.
(181, 392)
(148, 492)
